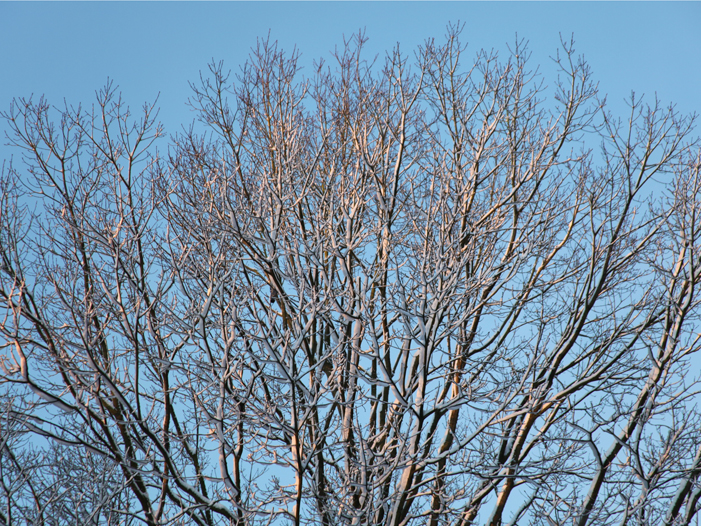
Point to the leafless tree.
(431, 290)
(53, 485)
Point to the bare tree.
(428, 291)
(56, 484)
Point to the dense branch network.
(430, 292)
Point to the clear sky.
(70, 49)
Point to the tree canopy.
(432, 289)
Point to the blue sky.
(68, 50)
